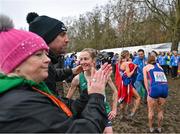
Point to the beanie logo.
(63, 28)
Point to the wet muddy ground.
(139, 123)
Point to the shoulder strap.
(158, 68)
(82, 82)
(58, 102)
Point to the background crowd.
(32, 83)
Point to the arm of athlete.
(74, 85)
(145, 77)
(113, 113)
(127, 70)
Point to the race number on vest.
(159, 77)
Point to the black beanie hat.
(46, 27)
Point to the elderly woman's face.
(35, 67)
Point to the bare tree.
(167, 12)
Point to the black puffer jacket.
(56, 74)
(26, 110)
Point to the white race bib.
(159, 77)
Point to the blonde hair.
(123, 55)
(92, 52)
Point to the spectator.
(168, 62)
(134, 55)
(27, 104)
(162, 60)
(140, 61)
(54, 33)
(174, 62)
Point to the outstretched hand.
(99, 79)
(78, 69)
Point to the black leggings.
(174, 71)
(165, 68)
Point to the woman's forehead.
(84, 54)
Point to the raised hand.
(99, 79)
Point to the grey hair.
(5, 23)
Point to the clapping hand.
(99, 79)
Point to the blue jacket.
(140, 64)
(162, 60)
(174, 61)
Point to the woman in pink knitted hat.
(27, 105)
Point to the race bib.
(159, 77)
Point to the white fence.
(163, 47)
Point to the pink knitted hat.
(16, 45)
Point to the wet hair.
(91, 51)
(123, 55)
(151, 60)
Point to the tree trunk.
(176, 39)
(176, 33)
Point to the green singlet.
(83, 86)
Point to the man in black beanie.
(54, 33)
